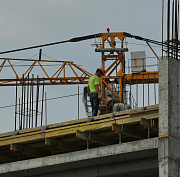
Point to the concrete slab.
(132, 157)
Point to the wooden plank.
(148, 123)
(67, 130)
(93, 137)
(99, 124)
(30, 137)
(124, 129)
(26, 150)
(152, 108)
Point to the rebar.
(15, 106)
(37, 98)
(42, 104)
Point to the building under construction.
(139, 142)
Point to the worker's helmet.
(102, 70)
(108, 100)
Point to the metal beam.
(93, 137)
(149, 123)
(124, 129)
(111, 49)
(26, 150)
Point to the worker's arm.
(97, 89)
(88, 90)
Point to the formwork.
(81, 134)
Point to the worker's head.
(109, 102)
(100, 71)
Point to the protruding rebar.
(45, 108)
(27, 112)
(78, 102)
(162, 24)
(37, 100)
(19, 114)
(168, 26)
(32, 100)
(24, 107)
(42, 104)
(15, 107)
(22, 94)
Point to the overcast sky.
(26, 23)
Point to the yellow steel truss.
(59, 77)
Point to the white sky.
(26, 23)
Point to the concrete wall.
(169, 118)
(136, 159)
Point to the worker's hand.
(100, 96)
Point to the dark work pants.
(94, 103)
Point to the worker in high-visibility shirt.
(94, 91)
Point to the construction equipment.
(114, 81)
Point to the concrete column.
(169, 118)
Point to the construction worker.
(117, 106)
(94, 91)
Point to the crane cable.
(76, 39)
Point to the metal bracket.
(89, 120)
(15, 133)
(44, 128)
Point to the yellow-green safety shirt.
(93, 80)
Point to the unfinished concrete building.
(142, 142)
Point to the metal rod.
(148, 90)
(143, 89)
(162, 24)
(45, 108)
(27, 121)
(40, 53)
(176, 29)
(78, 102)
(124, 84)
(37, 98)
(19, 114)
(32, 100)
(136, 90)
(24, 115)
(88, 143)
(42, 104)
(22, 93)
(178, 17)
(15, 106)
(168, 25)
(130, 93)
(172, 55)
(154, 88)
(30, 105)
(120, 138)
